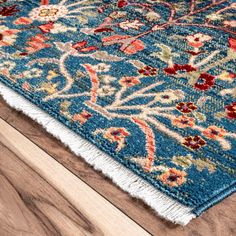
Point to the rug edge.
(163, 205)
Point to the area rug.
(143, 90)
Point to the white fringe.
(164, 206)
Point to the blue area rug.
(143, 90)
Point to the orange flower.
(129, 81)
(82, 117)
(183, 121)
(46, 28)
(214, 132)
(37, 43)
(116, 134)
(26, 86)
(134, 47)
(81, 46)
(173, 177)
(23, 21)
(7, 36)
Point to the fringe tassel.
(163, 205)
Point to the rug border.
(163, 205)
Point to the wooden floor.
(46, 190)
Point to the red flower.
(148, 71)
(231, 110)
(194, 142)
(8, 11)
(133, 47)
(129, 81)
(205, 81)
(232, 75)
(37, 43)
(116, 134)
(122, 3)
(46, 28)
(130, 45)
(44, 2)
(186, 107)
(114, 39)
(194, 53)
(232, 43)
(100, 30)
(81, 47)
(177, 67)
(23, 21)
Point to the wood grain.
(41, 197)
(219, 220)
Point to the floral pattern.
(151, 83)
(173, 177)
(198, 40)
(194, 142)
(7, 36)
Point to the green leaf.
(202, 164)
(165, 54)
(234, 93)
(199, 116)
(231, 53)
(193, 77)
(183, 161)
(202, 100)
(219, 115)
(65, 105)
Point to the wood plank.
(41, 197)
(219, 220)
